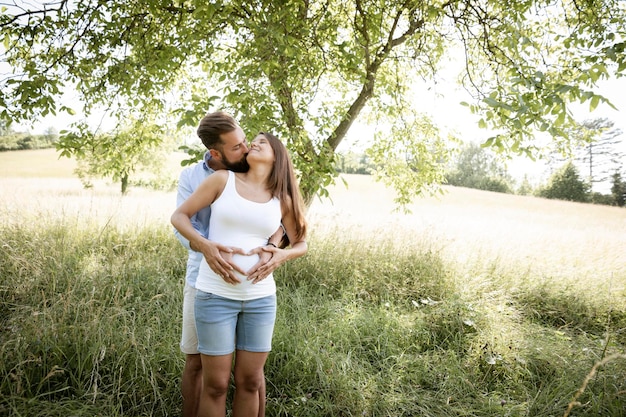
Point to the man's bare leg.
(191, 385)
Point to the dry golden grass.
(546, 238)
(37, 199)
(549, 237)
(35, 163)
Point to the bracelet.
(270, 243)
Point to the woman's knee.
(216, 388)
(249, 382)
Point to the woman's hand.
(270, 258)
(220, 259)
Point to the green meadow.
(473, 304)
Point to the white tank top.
(241, 223)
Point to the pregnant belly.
(245, 262)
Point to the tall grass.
(388, 326)
(85, 318)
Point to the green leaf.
(595, 100)
(492, 102)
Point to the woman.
(238, 315)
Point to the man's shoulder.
(196, 169)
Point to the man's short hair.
(212, 126)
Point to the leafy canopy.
(308, 69)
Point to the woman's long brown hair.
(283, 184)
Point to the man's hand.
(270, 258)
(220, 259)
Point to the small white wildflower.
(493, 359)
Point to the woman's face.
(260, 149)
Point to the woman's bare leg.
(215, 381)
(249, 381)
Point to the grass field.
(475, 303)
(580, 245)
(554, 238)
(34, 164)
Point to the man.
(227, 149)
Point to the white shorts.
(189, 337)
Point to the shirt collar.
(205, 162)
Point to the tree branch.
(29, 13)
(370, 79)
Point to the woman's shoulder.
(221, 175)
(218, 178)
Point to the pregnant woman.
(236, 316)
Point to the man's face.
(234, 151)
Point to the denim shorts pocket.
(204, 296)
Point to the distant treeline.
(16, 141)
(474, 167)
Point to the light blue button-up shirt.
(190, 178)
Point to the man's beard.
(238, 166)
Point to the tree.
(566, 184)
(595, 145)
(525, 188)
(353, 163)
(476, 168)
(600, 152)
(114, 155)
(309, 69)
(51, 135)
(618, 189)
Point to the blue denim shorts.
(223, 324)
